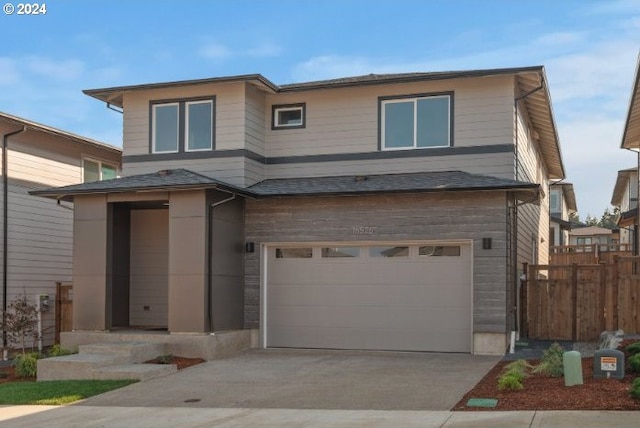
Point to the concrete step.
(76, 366)
(132, 352)
(135, 371)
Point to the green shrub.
(633, 348)
(26, 365)
(164, 359)
(635, 388)
(518, 367)
(58, 351)
(510, 382)
(634, 363)
(551, 363)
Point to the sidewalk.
(154, 417)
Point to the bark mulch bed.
(543, 392)
(7, 373)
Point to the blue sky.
(589, 49)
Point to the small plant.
(634, 363)
(551, 363)
(165, 359)
(633, 348)
(510, 382)
(58, 351)
(635, 388)
(26, 365)
(20, 321)
(513, 375)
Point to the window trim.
(186, 125)
(153, 128)
(100, 163)
(275, 108)
(382, 101)
(182, 117)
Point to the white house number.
(363, 230)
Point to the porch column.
(90, 302)
(188, 294)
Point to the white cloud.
(59, 70)
(9, 74)
(560, 38)
(214, 51)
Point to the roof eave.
(631, 133)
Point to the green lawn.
(56, 392)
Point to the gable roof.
(590, 230)
(532, 90)
(631, 133)
(182, 179)
(621, 184)
(29, 124)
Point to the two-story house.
(562, 203)
(625, 198)
(37, 233)
(386, 212)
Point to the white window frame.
(186, 126)
(414, 100)
(100, 163)
(284, 108)
(154, 108)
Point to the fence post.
(524, 305)
(574, 301)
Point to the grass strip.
(56, 392)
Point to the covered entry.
(378, 296)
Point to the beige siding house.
(387, 212)
(562, 203)
(37, 245)
(625, 198)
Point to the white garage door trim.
(265, 270)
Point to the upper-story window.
(415, 122)
(288, 116)
(182, 126)
(554, 201)
(95, 170)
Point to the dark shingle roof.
(423, 181)
(182, 179)
(172, 179)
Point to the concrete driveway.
(312, 379)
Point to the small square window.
(95, 170)
(288, 116)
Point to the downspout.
(210, 256)
(514, 251)
(5, 226)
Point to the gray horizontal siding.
(400, 217)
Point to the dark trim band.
(337, 157)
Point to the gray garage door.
(383, 296)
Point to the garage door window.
(389, 251)
(294, 253)
(339, 252)
(436, 251)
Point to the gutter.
(5, 226)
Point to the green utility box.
(572, 362)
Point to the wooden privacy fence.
(578, 301)
(587, 254)
(64, 309)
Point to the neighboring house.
(388, 212)
(592, 235)
(36, 233)
(562, 203)
(625, 198)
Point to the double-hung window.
(415, 122)
(95, 170)
(182, 126)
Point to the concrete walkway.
(161, 417)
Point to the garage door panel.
(421, 303)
